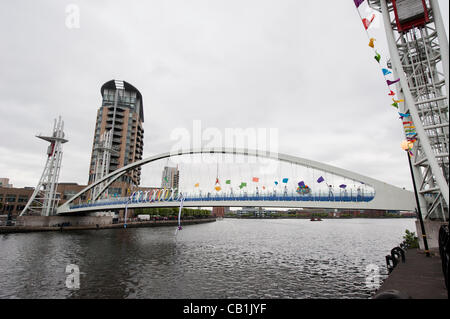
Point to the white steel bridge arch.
(387, 196)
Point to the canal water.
(230, 258)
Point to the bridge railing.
(245, 197)
(318, 198)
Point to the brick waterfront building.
(13, 199)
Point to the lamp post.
(406, 145)
(126, 211)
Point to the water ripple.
(225, 259)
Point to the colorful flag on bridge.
(301, 184)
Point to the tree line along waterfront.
(191, 213)
(319, 214)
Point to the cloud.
(288, 64)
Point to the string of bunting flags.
(377, 56)
(302, 188)
(410, 132)
(408, 127)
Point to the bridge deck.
(124, 201)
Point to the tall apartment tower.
(170, 177)
(122, 112)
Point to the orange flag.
(255, 179)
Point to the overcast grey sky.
(303, 67)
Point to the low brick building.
(13, 199)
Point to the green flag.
(228, 181)
(377, 57)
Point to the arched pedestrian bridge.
(381, 195)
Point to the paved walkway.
(420, 277)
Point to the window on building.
(69, 194)
(10, 198)
(22, 199)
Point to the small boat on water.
(316, 219)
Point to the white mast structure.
(104, 150)
(419, 53)
(44, 199)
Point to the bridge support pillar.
(432, 232)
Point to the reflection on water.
(225, 259)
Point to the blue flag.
(301, 184)
(386, 71)
(285, 180)
(320, 179)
